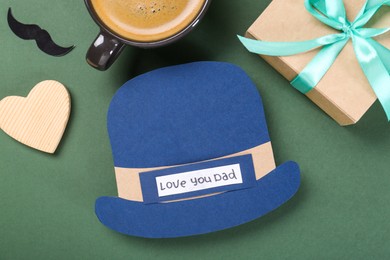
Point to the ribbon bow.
(373, 57)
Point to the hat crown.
(183, 114)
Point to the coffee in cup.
(143, 23)
(147, 20)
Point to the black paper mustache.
(34, 32)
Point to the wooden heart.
(40, 119)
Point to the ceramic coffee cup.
(140, 23)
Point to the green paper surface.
(47, 201)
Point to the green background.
(47, 201)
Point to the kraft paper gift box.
(344, 93)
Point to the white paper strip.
(179, 183)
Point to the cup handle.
(104, 51)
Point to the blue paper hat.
(183, 115)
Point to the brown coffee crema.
(145, 20)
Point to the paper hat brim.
(194, 217)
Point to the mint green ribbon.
(373, 57)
